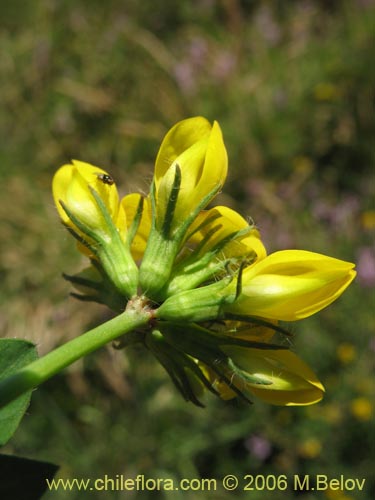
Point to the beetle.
(106, 179)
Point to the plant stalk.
(44, 368)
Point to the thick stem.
(44, 368)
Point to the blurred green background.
(291, 84)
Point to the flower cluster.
(217, 298)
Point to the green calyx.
(93, 285)
(197, 267)
(182, 368)
(200, 304)
(109, 249)
(165, 242)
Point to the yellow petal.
(128, 209)
(292, 284)
(291, 381)
(190, 162)
(246, 331)
(198, 150)
(179, 138)
(94, 177)
(71, 186)
(226, 222)
(215, 167)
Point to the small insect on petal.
(106, 179)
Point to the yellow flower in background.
(334, 494)
(195, 149)
(326, 91)
(346, 352)
(362, 409)
(368, 219)
(71, 187)
(310, 448)
(248, 331)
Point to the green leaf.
(14, 354)
(24, 478)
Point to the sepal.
(108, 247)
(93, 285)
(162, 247)
(199, 304)
(209, 348)
(183, 369)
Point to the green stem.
(44, 368)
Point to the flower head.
(214, 297)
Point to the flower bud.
(71, 187)
(219, 240)
(197, 148)
(287, 286)
(225, 229)
(190, 169)
(88, 204)
(284, 378)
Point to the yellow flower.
(197, 149)
(288, 285)
(71, 186)
(368, 219)
(362, 409)
(218, 240)
(346, 352)
(88, 203)
(223, 225)
(190, 169)
(278, 377)
(291, 285)
(334, 494)
(310, 448)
